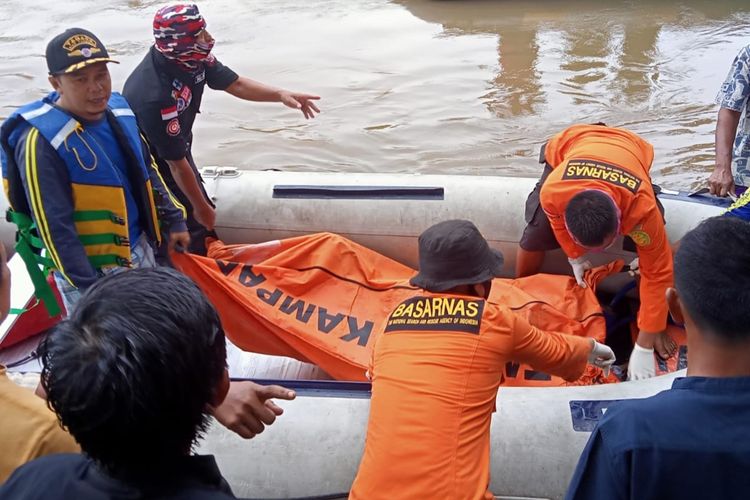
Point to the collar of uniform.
(185, 472)
(53, 97)
(712, 384)
(170, 67)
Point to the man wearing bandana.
(165, 92)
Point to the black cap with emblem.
(73, 49)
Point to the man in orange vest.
(437, 367)
(595, 187)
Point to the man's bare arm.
(250, 90)
(721, 182)
(185, 178)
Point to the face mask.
(205, 47)
(175, 33)
(191, 57)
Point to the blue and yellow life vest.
(100, 211)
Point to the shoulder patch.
(169, 113)
(639, 236)
(183, 98)
(173, 127)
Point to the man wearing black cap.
(81, 185)
(165, 91)
(437, 367)
(80, 181)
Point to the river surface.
(425, 86)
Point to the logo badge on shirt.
(639, 236)
(182, 95)
(437, 313)
(173, 127)
(199, 77)
(597, 170)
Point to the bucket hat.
(453, 253)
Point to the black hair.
(590, 217)
(712, 277)
(131, 373)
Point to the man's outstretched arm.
(250, 90)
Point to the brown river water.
(425, 86)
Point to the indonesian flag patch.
(169, 113)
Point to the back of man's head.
(712, 277)
(591, 217)
(131, 373)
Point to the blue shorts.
(141, 255)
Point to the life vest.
(100, 212)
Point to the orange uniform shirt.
(435, 374)
(618, 162)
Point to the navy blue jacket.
(690, 442)
(75, 477)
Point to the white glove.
(602, 356)
(635, 267)
(641, 364)
(580, 266)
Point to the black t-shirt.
(74, 476)
(166, 98)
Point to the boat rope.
(30, 357)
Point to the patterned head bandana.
(175, 30)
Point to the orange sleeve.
(655, 256)
(370, 373)
(551, 352)
(555, 148)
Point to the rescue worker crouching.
(79, 178)
(436, 369)
(596, 186)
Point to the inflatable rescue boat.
(313, 450)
